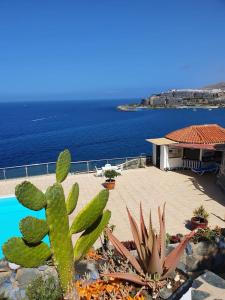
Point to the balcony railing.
(76, 167)
(191, 164)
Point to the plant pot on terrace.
(200, 218)
(110, 181)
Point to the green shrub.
(207, 235)
(111, 174)
(44, 289)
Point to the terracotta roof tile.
(199, 134)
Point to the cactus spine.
(30, 251)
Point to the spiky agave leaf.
(123, 251)
(144, 233)
(136, 236)
(173, 258)
(125, 276)
(162, 234)
(155, 266)
(150, 233)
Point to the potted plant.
(110, 181)
(148, 270)
(200, 218)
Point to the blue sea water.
(35, 132)
(11, 212)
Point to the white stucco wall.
(166, 163)
(154, 154)
(163, 153)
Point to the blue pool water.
(11, 212)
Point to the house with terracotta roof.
(191, 147)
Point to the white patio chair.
(119, 169)
(99, 172)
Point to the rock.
(43, 268)
(4, 265)
(181, 266)
(203, 248)
(188, 249)
(13, 266)
(13, 284)
(197, 283)
(23, 294)
(86, 267)
(177, 277)
(199, 295)
(25, 275)
(5, 276)
(8, 292)
(191, 263)
(213, 280)
(50, 271)
(208, 286)
(165, 293)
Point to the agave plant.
(152, 263)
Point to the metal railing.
(76, 167)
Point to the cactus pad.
(72, 199)
(89, 237)
(18, 252)
(33, 229)
(90, 213)
(63, 166)
(61, 243)
(30, 252)
(30, 196)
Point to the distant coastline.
(138, 107)
(207, 98)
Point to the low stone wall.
(13, 283)
(203, 256)
(139, 162)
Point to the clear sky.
(79, 49)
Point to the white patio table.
(109, 167)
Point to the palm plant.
(151, 264)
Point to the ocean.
(35, 132)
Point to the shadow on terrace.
(206, 184)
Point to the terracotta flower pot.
(110, 185)
(197, 222)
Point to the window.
(174, 153)
(192, 154)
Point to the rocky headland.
(208, 97)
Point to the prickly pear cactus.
(30, 251)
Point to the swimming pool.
(11, 212)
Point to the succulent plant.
(200, 212)
(151, 264)
(30, 251)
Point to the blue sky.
(82, 49)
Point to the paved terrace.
(182, 191)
